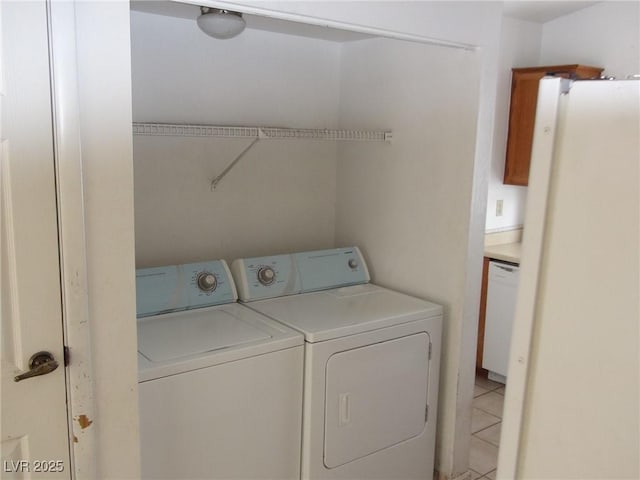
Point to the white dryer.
(220, 386)
(372, 360)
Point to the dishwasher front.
(501, 305)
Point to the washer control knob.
(207, 281)
(353, 263)
(266, 275)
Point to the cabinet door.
(522, 114)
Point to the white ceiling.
(541, 11)
(185, 10)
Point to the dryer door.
(376, 397)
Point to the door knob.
(40, 363)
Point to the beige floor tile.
(490, 434)
(475, 475)
(491, 402)
(478, 390)
(491, 475)
(500, 390)
(488, 384)
(483, 457)
(481, 420)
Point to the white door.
(34, 429)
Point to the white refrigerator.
(572, 400)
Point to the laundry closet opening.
(404, 202)
(287, 195)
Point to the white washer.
(220, 385)
(372, 360)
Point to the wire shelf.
(179, 130)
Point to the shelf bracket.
(215, 181)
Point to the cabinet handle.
(508, 269)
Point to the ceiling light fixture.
(219, 23)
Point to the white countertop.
(509, 252)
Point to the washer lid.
(180, 342)
(345, 311)
(172, 336)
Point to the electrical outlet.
(499, 204)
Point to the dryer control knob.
(266, 275)
(207, 282)
(353, 263)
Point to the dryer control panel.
(279, 275)
(181, 287)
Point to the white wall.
(104, 94)
(407, 204)
(281, 196)
(604, 35)
(182, 75)
(519, 47)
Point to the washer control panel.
(266, 275)
(181, 287)
(279, 275)
(207, 281)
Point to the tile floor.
(485, 428)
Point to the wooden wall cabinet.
(522, 114)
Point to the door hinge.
(66, 355)
(426, 413)
(430, 349)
